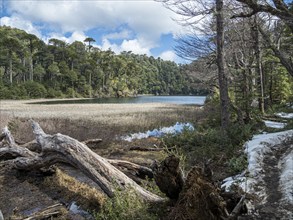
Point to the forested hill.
(30, 68)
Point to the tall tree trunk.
(223, 84)
(10, 68)
(257, 51)
(90, 83)
(31, 67)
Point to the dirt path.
(275, 206)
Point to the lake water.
(180, 100)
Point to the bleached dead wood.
(45, 213)
(61, 148)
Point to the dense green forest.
(29, 68)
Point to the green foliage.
(86, 70)
(35, 90)
(212, 142)
(212, 109)
(52, 93)
(238, 164)
(125, 205)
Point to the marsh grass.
(86, 121)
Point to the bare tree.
(194, 14)
(278, 8)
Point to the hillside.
(30, 68)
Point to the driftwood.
(46, 213)
(61, 148)
(135, 169)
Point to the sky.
(140, 26)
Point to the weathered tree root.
(61, 148)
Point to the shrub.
(70, 93)
(237, 164)
(125, 205)
(212, 143)
(13, 92)
(35, 89)
(52, 93)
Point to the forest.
(29, 68)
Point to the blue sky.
(144, 27)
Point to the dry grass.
(114, 114)
(71, 189)
(85, 121)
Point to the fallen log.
(46, 213)
(135, 169)
(61, 148)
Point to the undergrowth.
(125, 205)
(203, 144)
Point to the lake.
(180, 100)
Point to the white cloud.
(148, 19)
(168, 55)
(127, 45)
(108, 45)
(135, 46)
(124, 34)
(143, 22)
(17, 22)
(75, 36)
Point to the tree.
(279, 8)
(32, 39)
(39, 71)
(223, 83)
(89, 40)
(193, 12)
(11, 45)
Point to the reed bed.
(84, 121)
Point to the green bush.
(238, 164)
(13, 92)
(35, 89)
(213, 143)
(70, 93)
(52, 93)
